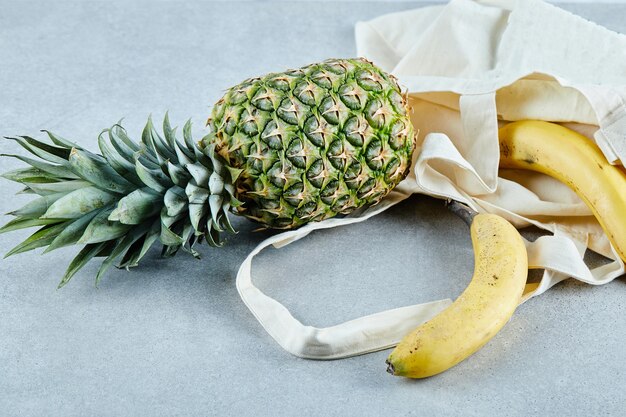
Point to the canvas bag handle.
(559, 255)
(362, 335)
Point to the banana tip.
(390, 367)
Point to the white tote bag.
(469, 67)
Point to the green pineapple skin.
(314, 142)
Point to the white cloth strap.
(385, 329)
(365, 334)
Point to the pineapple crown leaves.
(120, 202)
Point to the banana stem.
(463, 211)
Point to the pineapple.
(283, 150)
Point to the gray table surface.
(172, 337)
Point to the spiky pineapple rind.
(314, 142)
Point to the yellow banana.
(500, 272)
(576, 161)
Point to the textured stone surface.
(173, 337)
